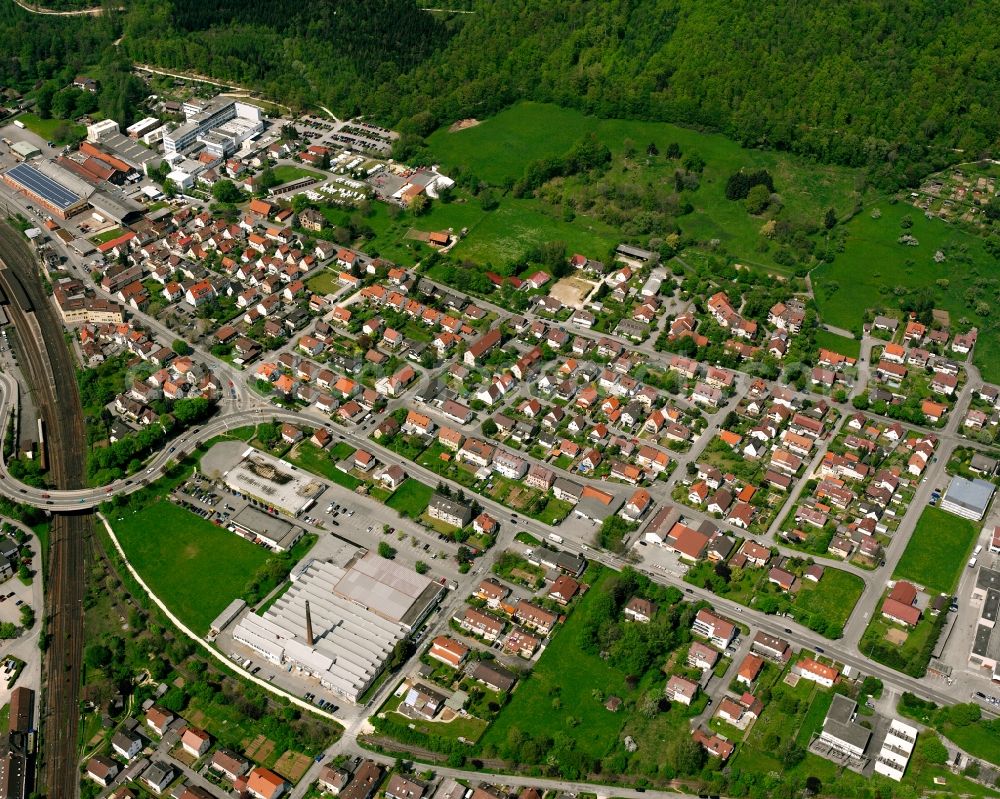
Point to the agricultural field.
(876, 270)
(937, 550)
(163, 541)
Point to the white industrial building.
(102, 130)
(220, 125)
(224, 619)
(340, 625)
(896, 750)
(280, 485)
(968, 498)
(142, 127)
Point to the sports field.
(194, 567)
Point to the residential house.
(448, 651)
(681, 689)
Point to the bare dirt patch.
(260, 749)
(463, 124)
(572, 291)
(897, 637)
(292, 765)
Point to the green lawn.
(195, 567)
(107, 235)
(833, 597)
(502, 146)
(468, 727)
(541, 704)
(873, 264)
(323, 283)
(789, 715)
(309, 456)
(46, 128)
(503, 235)
(411, 498)
(341, 450)
(555, 511)
(937, 550)
(851, 347)
(981, 739)
(912, 656)
(285, 173)
(814, 717)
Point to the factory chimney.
(309, 625)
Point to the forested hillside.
(331, 51)
(859, 82)
(893, 85)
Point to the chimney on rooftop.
(309, 625)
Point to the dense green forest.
(896, 86)
(327, 52)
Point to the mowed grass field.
(567, 673)
(46, 128)
(498, 149)
(874, 263)
(851, 347)
(937, 550)
(286, 173)
(195, 567)
(410, 498)
(833, 597)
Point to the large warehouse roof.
(43, 186)
(351, 641)
(968, 498)
(387, 589)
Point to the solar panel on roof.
(44, 186)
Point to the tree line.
(900, 88)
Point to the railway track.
(51, 375)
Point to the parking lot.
(655, 558)
(13, 594)
(338, 514)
